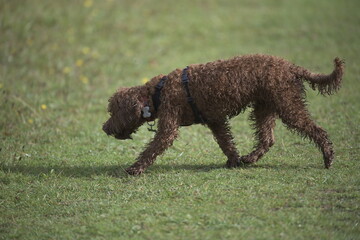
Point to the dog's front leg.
(164, 137)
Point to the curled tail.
(326, 84)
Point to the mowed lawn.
(61, 177)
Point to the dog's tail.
(326, 84)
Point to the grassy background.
(62, 178)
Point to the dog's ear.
(115, 100)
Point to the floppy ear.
(115, 100)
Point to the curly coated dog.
(212, 93)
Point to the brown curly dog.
(212, 93)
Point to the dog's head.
(125, 110)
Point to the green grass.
(62, 178)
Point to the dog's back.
(234, 83)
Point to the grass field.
(61, 177)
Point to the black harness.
(190, 99)
(157, 94)
(185, 81)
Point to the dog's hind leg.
(263, 117)
(297, 118)
(222, 133)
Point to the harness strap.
(156, 97)
(185, 80)
(190, 99)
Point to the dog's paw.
(328, 158)
(328, 161)
(233, 163)
(247, 159)
(135, 171)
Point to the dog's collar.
(156, 96)
(146, 113)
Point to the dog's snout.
(122, 137)
(118, 135)
(105, 128)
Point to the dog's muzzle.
(105, 128)
(120, 136)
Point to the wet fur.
(271, 86)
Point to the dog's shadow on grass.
(100, 170)
(68, 171)
(119, 170)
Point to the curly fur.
(271, 86)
